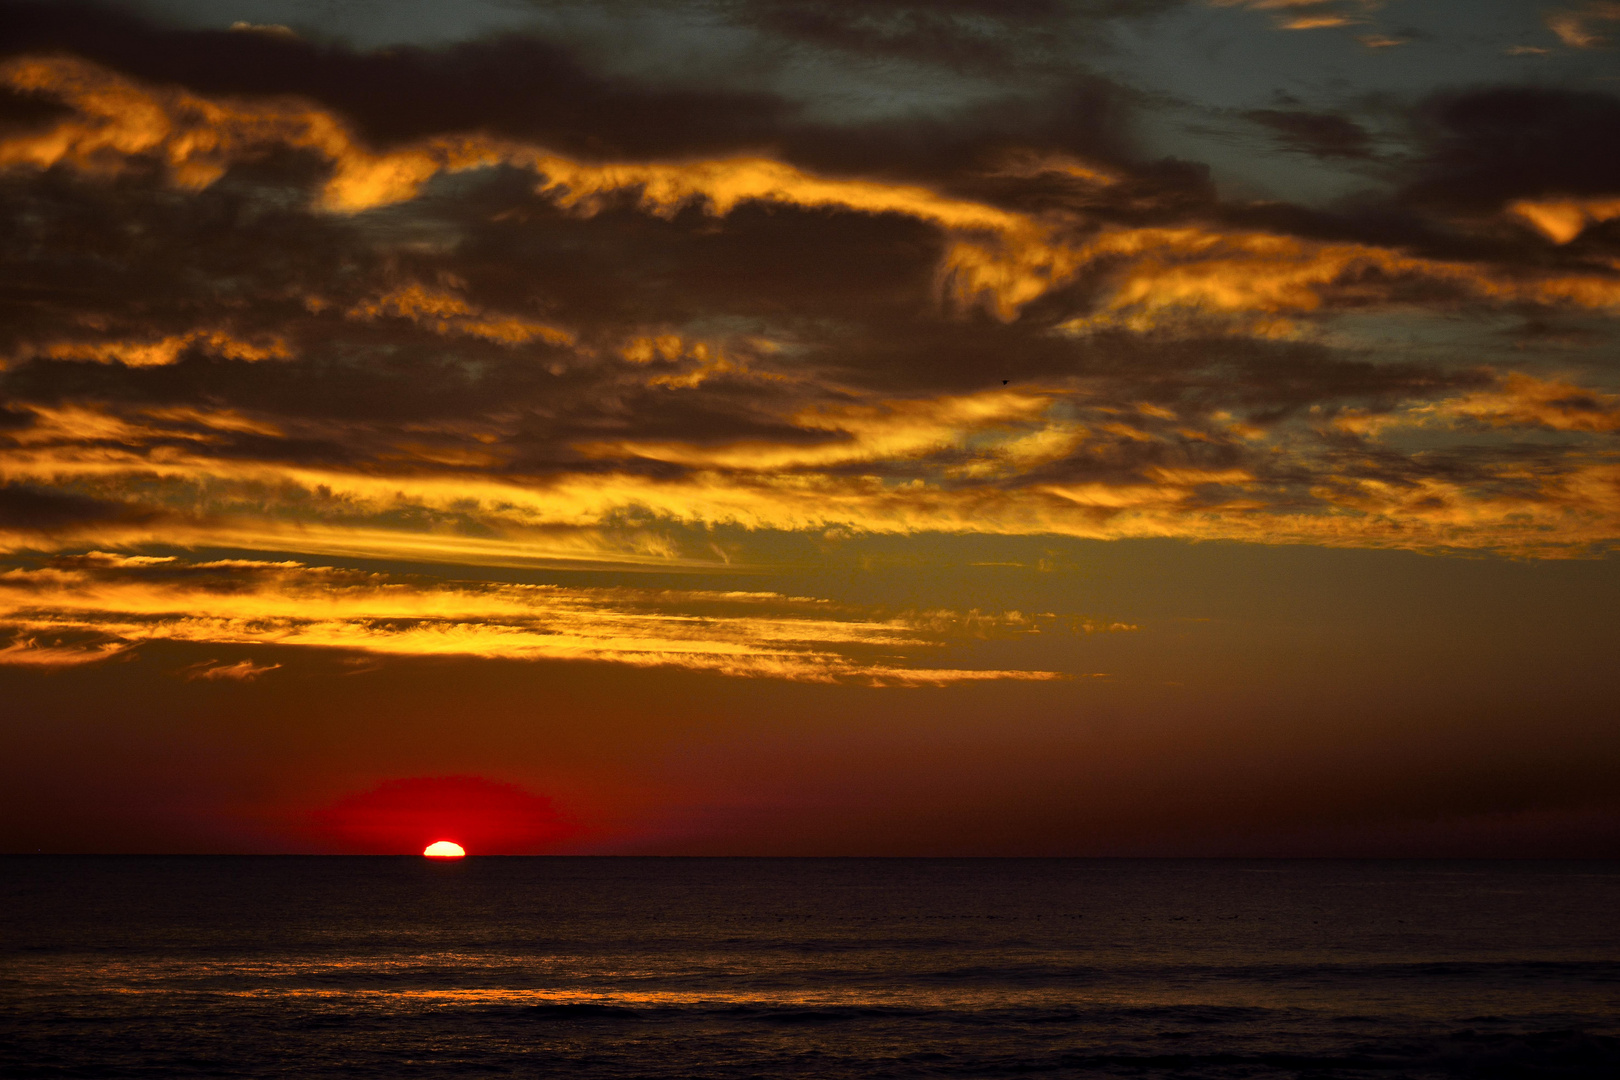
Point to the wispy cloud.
(1316, 22)
(241, 671)
(1306, 14)
(31, 652)
(130, 600)
(1579, 28)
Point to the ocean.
(624, 967)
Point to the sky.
(774, 427)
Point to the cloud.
(1301, 14)
(30, 652)
(1316, 22)
(36, 511)
(127, 601)
(1578, 28)
(165, 350)
(446, 313)
(1271, 5)
(1524, 401)
(492, 352)
(241, 671)
(1484, 149)
(404, 92)
(1319, 134)
(276, 29)
(885, 432)
(1120, 489)
(963, 36)
(1562, 220)
(1003, 260)
(197, 139)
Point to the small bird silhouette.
(1003, 382)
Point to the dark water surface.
(400, 967)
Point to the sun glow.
(444, 849)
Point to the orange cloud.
(127, 601)
(1575, 28)
(972, 451)
(1032, 460)
(1311, 19)
(446, 313)
(198, 138)
(1516, 400)
(1546, 513)
(1524, 401)
(1316, 22)
(696, 362)
(1169, 274)
(159, 351)
(1562, 220)
(29, 652)
(891, 430)
(241, 671)
(997, 258)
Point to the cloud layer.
(87, 608)
(256, 304)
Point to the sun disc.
(444, 849)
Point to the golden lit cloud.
(1316, 22)
(739, 432)
(994, 257)
(1562, 220)
(1516, 401)
(127, 601)
(446, 313)
(199, 138)
(159, 351)
(891, 430)
(1173, 273)
(980, 464)
(696, 362)
(241, 671)
(28, 652)
(1578, 28)
(1303, 14)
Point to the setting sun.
(444, 849)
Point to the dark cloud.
(993, 37)
(963, 35)
(1488, 146)
(25, 112)
(511, 85)
(25, 508)
(528, 88)
(1079, 113)
(1323, 135)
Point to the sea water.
(621, 967)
